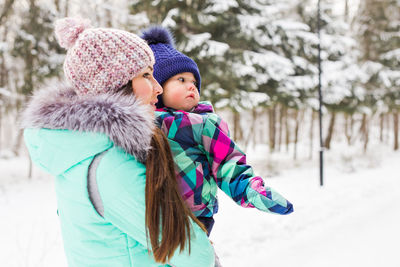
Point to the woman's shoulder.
(57, 150)
(123, 119)
(119, 171)
(118, 158)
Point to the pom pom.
(158, 34)
(67, 30)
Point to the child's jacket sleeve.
(234, 176)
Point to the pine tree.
(36, 52)
(36, 47)
(377, 26)
(211, 33)
(340, 72)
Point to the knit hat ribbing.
(169, 61)
(100, 59)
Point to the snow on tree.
(377, 26)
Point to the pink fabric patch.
(195, 118)
(246, 205)
(224, 127)
(221, 150)
(193, 207)
(257, 184)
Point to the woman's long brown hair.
(165, 208)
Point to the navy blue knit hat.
(169, 61)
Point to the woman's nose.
(157, 88)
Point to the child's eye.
(195, 83)
(181, 79)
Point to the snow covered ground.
(353, 220)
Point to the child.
(205, 156)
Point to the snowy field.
(353, 220)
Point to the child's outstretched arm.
(234, 176)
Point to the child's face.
(180, 92)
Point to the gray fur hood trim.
(122, 118)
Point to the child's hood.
(203, 107)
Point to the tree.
(378, 25)
(37, 52)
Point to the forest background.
(258, 61)
(259, 65)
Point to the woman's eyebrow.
(151, 68)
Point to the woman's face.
(146, 88)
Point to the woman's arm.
(121, 181)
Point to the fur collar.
(122, 118)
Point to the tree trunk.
(362, 127)
(298, 118)
(18, 142)
(57, 4)
(364, 131)
(97, 12)
(3, 83)
(381, 126)
(3, 68)
(366, 134)
(251, 133)
(330, 130)
(6, 10)
(287, 128)
(66, 8)
(237, 130)
(396, 130)
(349, 126)
(346, 127)
(312, 134)
(235, 125)
(253, 129)
(346, 10)
(388, 126)
(262, 130)
(281, 115)
(272, 128)
(108, 14)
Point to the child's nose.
(192, 87)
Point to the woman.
(118, 200)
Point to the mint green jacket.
(63, 133)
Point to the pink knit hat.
(100, 59)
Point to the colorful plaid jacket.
(206, 158)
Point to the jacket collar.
(202, 107)
(122, 118)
